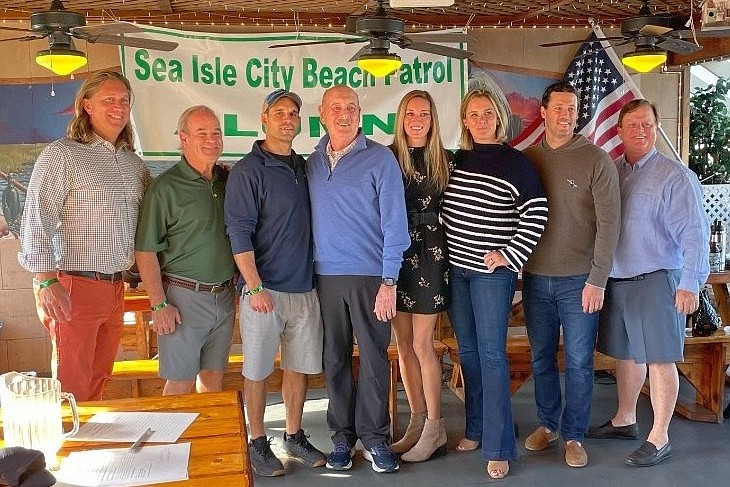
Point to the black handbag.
(705, 320)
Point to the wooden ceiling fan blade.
(154, 44)
(15, 29)
(603, 48)
(654, 30)
(24, 38)
(344, 40)
(448, 37)
(579, 41)
(438, 49)
(110, 28)
(679, 46)
(623, 43)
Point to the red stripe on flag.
(616, 151)
(606, 136)
(525, 134)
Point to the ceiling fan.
(652, 35)
(60, 26)
(380, 31)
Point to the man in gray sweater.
(565, 277)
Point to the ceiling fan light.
(379, 65)
(644, 60)
(60, 60)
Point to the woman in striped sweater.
(494, 212)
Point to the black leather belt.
(99, 276)
(196, 285)
(416, 219)
(640, 277)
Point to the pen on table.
(137, 445)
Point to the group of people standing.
(333, 250)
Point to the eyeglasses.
(646, 126)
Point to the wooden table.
(219, 448)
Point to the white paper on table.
(128, 426)
(119, 467)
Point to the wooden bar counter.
(218, 438)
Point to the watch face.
(389, 281)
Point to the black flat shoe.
(608, 430)
(647, 455)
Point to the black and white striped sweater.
(494, 201)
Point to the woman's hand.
(494, 259)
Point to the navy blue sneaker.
(383, 460)
(341, 457)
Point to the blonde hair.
(79, 128)
(437, 161)
(466, 141)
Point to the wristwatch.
(389, 281)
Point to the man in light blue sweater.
(360, 231)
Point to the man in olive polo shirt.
(185, 260)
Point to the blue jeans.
(479, 312)
(549, 302)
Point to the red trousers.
(84, 347)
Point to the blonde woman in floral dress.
(423, 279)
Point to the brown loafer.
(575, 454)
(540, 439)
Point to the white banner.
(232, 73)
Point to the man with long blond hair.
(77, 233)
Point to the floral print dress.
(424, 275)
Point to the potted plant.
(709, 133)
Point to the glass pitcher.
(31, 412)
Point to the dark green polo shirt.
(182, 220)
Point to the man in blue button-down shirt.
(661, 262)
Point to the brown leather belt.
(99, 276)
(195, 285)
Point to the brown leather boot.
(432, 441)
(413, 433)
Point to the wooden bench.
(704, 364)
(137, 302)
(520, 367)
(705, 360)
(139, 378)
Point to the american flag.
(603, 87)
